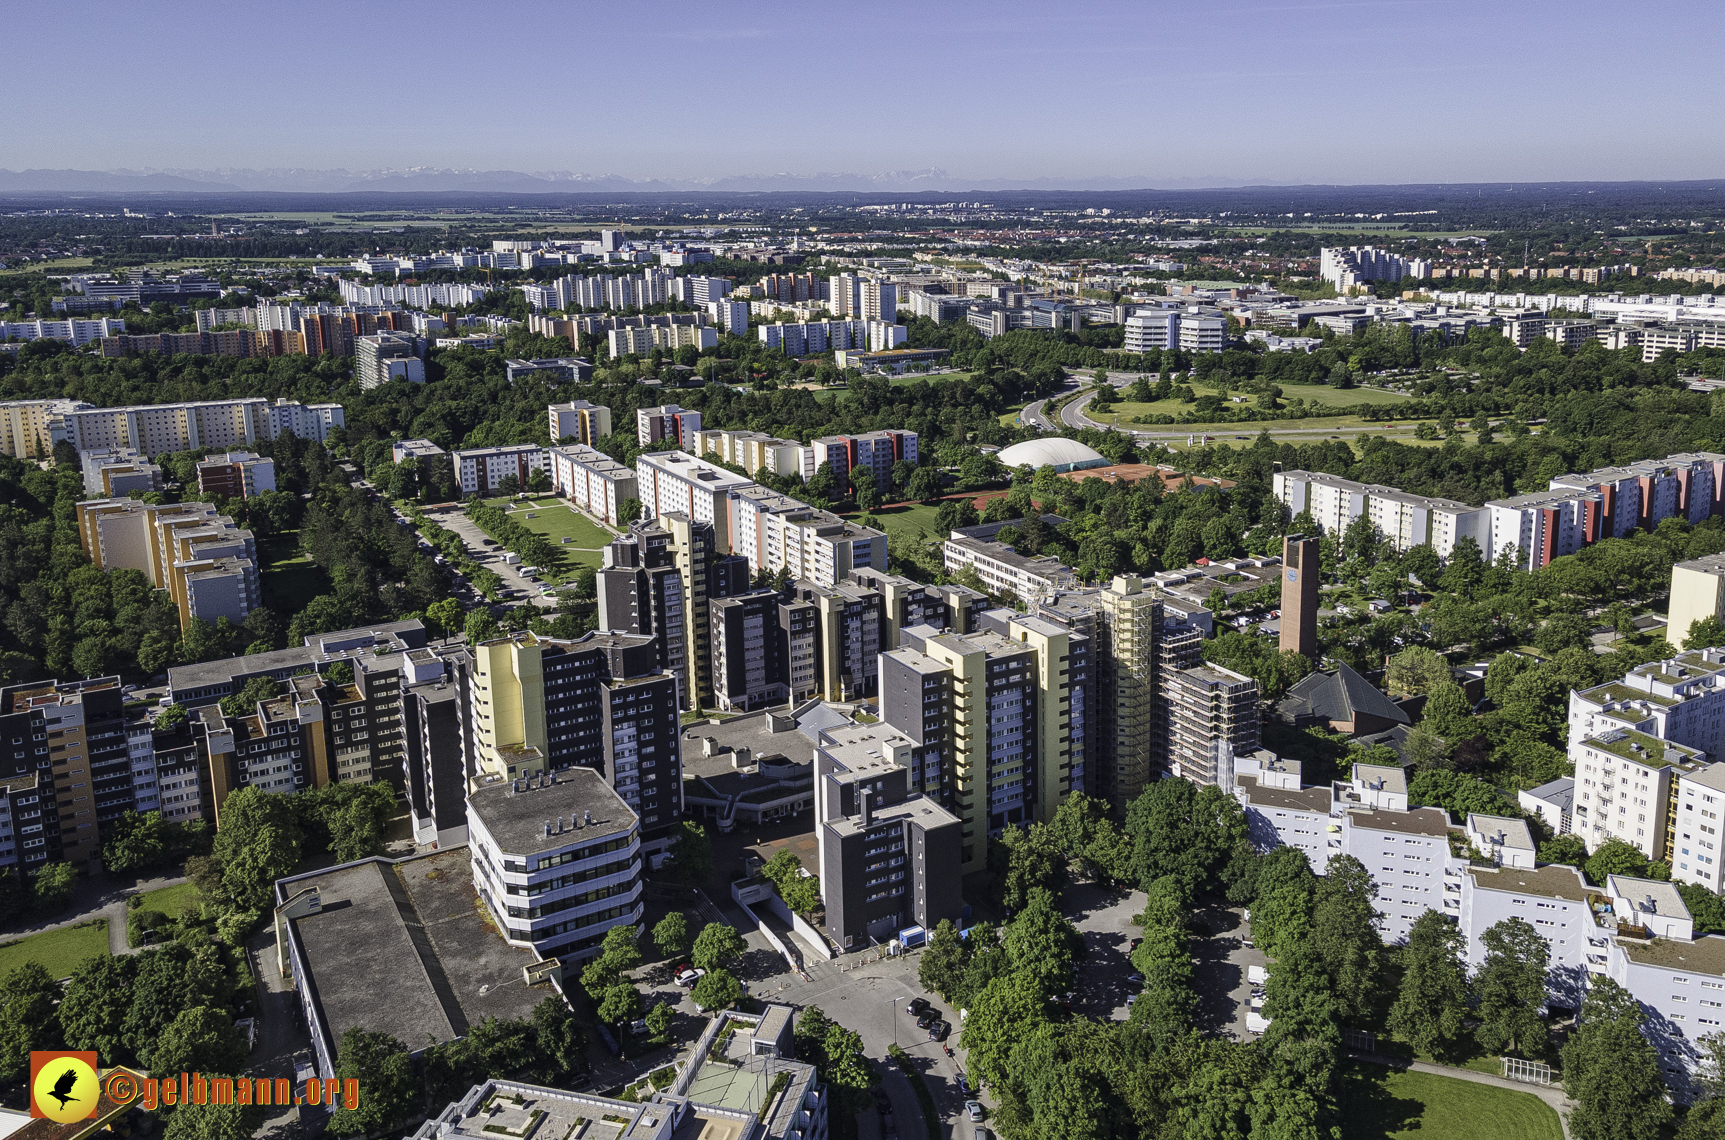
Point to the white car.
(688, 978)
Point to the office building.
(1153, 330)
(667, 423)
(1002, 570)
(1212, 718)
(31, 428)
(555, 371)
(941, 308)
(642, 341)
(557, 859)
(1301, 576)
(481, 470)
(593, 481)
(1404, 519)
(543, 705)
(236, 475)
(890, 856)
(579, 421)
(117, 473)
(384, 357)
(676, 482)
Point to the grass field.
(288, 578)
(557, 522)
(59, 951)
(916, 516)
(172, 901)
(54, 266)
(1378, 1104)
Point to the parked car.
(938, 1031)
(928, 1018)
(916, 1006)
(963, 1085)
(688, 978)
(973, 1110)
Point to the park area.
(58, 951)
(558, 521)
(1384, 1104)
(1317, 397)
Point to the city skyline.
(1388, 93)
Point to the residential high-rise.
(236, 475)
(1404, 519)
(579, 420)
(675, 481)
(879, 301)
(384, 357)
(850, 632)
(775, 533)
(70, 738)
(889, 855)
(641, 591)
(667, 422)
(1301, 575)
(593, 481)
(480, 470)
(1697, 593)
(118, 472)
(1212, 717)
(541, 705)
(749, 668)
(909, 602)
(33, 427)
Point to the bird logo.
(63, 1086)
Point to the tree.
(1433, 1001)
(96, 1002)
(622, 1003)
(1615, 857)
(1416, 670)
(1611, 1071)
(1041, 944)
(1568, 849)
(692, 853)
(200, 1039)
(481, 626)
(628, 511)
(445, 617)
(559, 1043)
(1450, 713)
(671, 935)
(717, 945)
(1706, 633)
(1510, 988)
(925, 485)
(170, 980)
(659, 1020)
(385, 1071)
(941, 969)
(1004, 1013)
(27, 997)
(53, 888)
(214, 1122)
(717, 989)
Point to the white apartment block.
(1155, 329)
(1355, 265)
(1698, 848)
(1681, 700)
(642, 341)
(1405, 849)
(1541, 525)
(592, 481)
(421, 449)
(675, 481)
(1280, 812)
(732, 316)
(581, 420)
(753, 451)
(775, 531)
(810, 338)
(1623, 788)
(74, 332)
(1004, 571)
(1405, 519)
(1553, 899)
(1506, 841)
(32, 427)
(478, 471)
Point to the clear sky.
(1192, 92)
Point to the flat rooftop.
(1417, 821)
(509, 1109)
(1314, 800)
(402, 948)
(1553, 881)
(516, 818)
(1705, 955)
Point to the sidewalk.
(1552, 1095)
(98, 898)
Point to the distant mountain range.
(435, 180)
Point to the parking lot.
(491, 557)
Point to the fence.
(1364, 1041)
(1527, 1072)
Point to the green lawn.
(556, 521)
(59, 951)
(911, 518)
(1320, 395)
(288, 578)
(171, 901)
(1379, 1104)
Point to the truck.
(510, 558)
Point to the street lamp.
(894, 1000)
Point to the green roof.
(1654, 753)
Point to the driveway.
(451, 517)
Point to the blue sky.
(1160, 93)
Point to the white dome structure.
(1054, 451)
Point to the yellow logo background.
(77, 1096)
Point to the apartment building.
(206, 563)
(1693, 847)
(1281, 811)
(1406, 520)
(732, 316)
(889, 854)
(1697, 593)
(116, 473)
(1002, 569)
(776, 532)
(1405, 849)
(1356, 265)
(876, 450)
(697, 290)
(668, 422)
(749, 668)
(543, 705)
(753, 451)
(1555, 900)
(1681, 700)
(676, 482)
(31, 428)
(383, 357)
(640, 590)
(556, 859)
(74, 332)
(642, 341)
(1625, 782)
(427, 453)
(579, 420)
(908, 602)
(1212, 718)
(481, 470)
(236, 475)
(70, 773)
(593, 481)
(810, 338)
(849, 633)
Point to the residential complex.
(207, 564)
(118, 472)
(383, 357)
(236, 475)
(481, 470)
(1405, 520)
(577, 420)
(667, 423)
(1697, 593)
(31, 428)
(1002, 570)
(592, 481)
